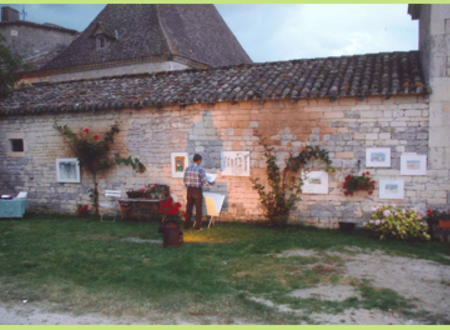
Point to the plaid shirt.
(195, 176)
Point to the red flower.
(429, 212)
(184, 214)
(86, 130)
(178, 205)
(370, 192)
(172, 212)
(96, 137)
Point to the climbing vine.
(285, 188)
(93, 154)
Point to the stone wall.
(28, 41)
(435, 54)
(345, 127)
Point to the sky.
(283, 32)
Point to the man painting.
(194, 180)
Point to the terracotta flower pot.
(444, 224)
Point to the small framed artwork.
(378, 157)
(413, 164)
(392, 189)
(235, 163)
(68, 170)
(315, 182)
(179, 161)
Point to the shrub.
(388, 221)
(355, 183)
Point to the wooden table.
(141, 210)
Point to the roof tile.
(385, 74)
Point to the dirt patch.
(411, 278)
(333, 293)
(363, 317)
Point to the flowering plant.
(403, 224)
(154, 189)
(362, 182)
(172, 212)
(94, 155)
(82, 210)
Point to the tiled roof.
(385, 74)
(194, 31)
(37, 61)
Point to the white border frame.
(58, 173)
(172, 163)
(230, 172)
(386, 163)
(407, 157)
(321, 189)
(401, 189)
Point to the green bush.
(390, 222)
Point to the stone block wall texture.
(29, 41)
(434, 39)
(345, 128)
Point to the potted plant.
(170, 226)
(82, 210)
(354, 183)
(436, 222)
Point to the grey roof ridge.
(96, 66)
(44, 26)
(166, 39)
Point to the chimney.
(10, 14)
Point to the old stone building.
(130, 39)
(345, 104)
(37, 43)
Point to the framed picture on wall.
(413, 164)
(315, 182)
(235, 163)
(68, 170)
(392, 189)
(378, 157)
(179, 162)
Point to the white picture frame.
(413, 164)
(378, 157)
(179, 162)
(392, 189)
(315, 182)
(235, 163)
(68, 170)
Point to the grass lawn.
(81, 265)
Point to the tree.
(10, 65)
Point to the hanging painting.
(235, 163)
(179, 162)
(392, 189)
(378, 157)
(315, 182)
(413, 164)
